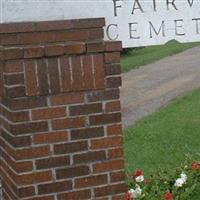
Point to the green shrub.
(180, 184)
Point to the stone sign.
(135, 22)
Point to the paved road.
(150, 87)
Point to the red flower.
(169, 196)
(139, 172)
(128, 196)
(195, 166)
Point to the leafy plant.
(180, 184)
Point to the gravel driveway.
(150, 87)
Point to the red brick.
(34, 152)
(88, 23)
(39, 37)
(115, 129)
(87, 133)
(112, 69)
(95, 34)
(99, 72)
(115, 153)
(33, 52)
(88, 77)
(54, 76)
(17, 91)
(26, 192)
(113, 82)
(77, 83)
(108, 166)
(52, 162)
(89, 157)
(14, 79)
(110, 190)
(113, 106)
(91, 181)
(54, 187)
(117, 176)
(96, 46)
(48, 113)
(120, 197)
(112, 57)
(19, 129)
(103, 95)
(106, 142)
(33, 178)
(81, 194)
(31, 81)
(54, 50)
(14, 66)
(7, 181)
(8, 39)
(111, 46)
(17, 27)
(65, 74)
(85, 109)
(43, 86)
(105, 118)
(23, 166)
(6, 147)
(51, 137)
(74, 48)
(12, 53)
(71, 172)
(16, 142)
(103, 198)
(18, 167)
(1, 51)
(52, 25)
(5, 195)
(77, 122)
(43, 198)
(70, 147)
(16, 116)
(25, 103)
(2, 89)
(70, 98)
(71, 35)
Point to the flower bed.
(179, 185)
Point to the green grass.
(143, 56)
(162, 139)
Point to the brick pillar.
(61, 133)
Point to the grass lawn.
(162, 139)
(143, 56)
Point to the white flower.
(135, 193)
(131, 191)
(184, 176)
(138, 191)
(179, 182)
(139, 179)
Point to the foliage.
(161, 140)
(161, 185)
(133, 58)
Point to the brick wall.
(61, 133)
